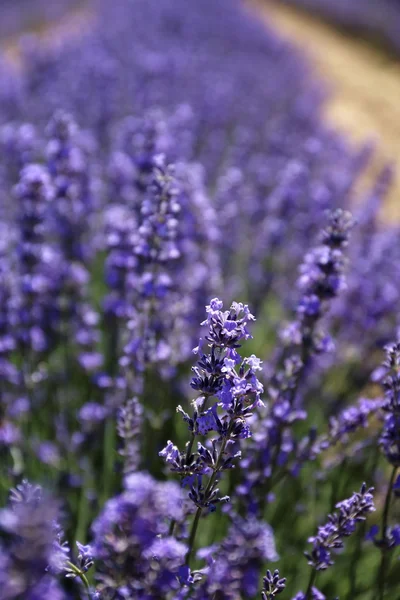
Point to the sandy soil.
(365, 80)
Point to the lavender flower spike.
(321, 279)
(223, 374)
(34, 552)
(340, 525)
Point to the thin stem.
(188, 453)
(171, 527)
(81, 576)
(311, 582)
(83, 515)
(108, 458)
(190, 446)
(384, 549)
(354, 563)
(192, 536)
(199, 510)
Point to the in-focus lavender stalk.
(221, 374)
(79, 569)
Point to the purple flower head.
(30, 522)
(85, 557)
(227, 328)
(133, 531)
(273, 585)
(322, 278)
(170, 453)
(236, 391)
(390, 437)
(237, 560)
(340, 525)
(91, 414)
(129, 427)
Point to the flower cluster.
(221, 374)
(132, 531)
(339, 526)
(30, 522)
(137, 181)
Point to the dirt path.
(365, 80)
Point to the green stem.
(354, 563)
(384, 549)
(199, 510)
(171, 527)
(192, 536)
(81, 576)
(311, 582)
(188, 453)
(83, 514)
(108, 458)
(190, 446)
(354, 587)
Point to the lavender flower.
(70, 172)
(390, 440)
(321, 279)
(34, 192)
(220, 373)
(273, 585)
(129, 427)
(30, 524)
(134, 552)
(339, 526)
(234, 564)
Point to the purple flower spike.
(340, 525)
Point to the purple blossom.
(340, 525)
(132, 530)
(30, 522)
(236, 562)
(273, 585)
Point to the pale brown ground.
(365, 81)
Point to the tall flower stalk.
(228, 392)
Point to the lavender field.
(199, 329)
